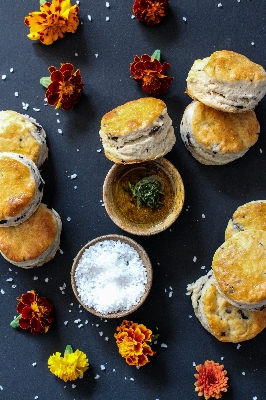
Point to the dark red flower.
(149, 73)
(150, 11)
(65, 89)
(37, 313)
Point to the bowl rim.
(177, 184)
(146, 263)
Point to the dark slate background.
(213, 191)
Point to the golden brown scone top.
(131, 116)
(15, 135)
(229, 323)
(29, 240)
(226, 65)
(17, 187)
(232, 132)
(240, 269)
(251, 215)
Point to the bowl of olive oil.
(144, 198)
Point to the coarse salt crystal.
(184, 19)
(97, 376)
(73, 176)
(132, 16)
(96, 55)
(77, 321)
(110, 276)
(2, 291)
(14, 286)
(16, 94)
(102, 367)
(170, 294)
(100, 333)
(46, 280)
(164, 345)
(11, 70)
(80, 325)
(107, 4)
(76, 54)
(243, 373)
(194, 259)
(106, 338)
(73, 386)
(25, 106)
(260, 150)
(34, 364)
(89, 17)
(36, 109)
(58, 121)
(68, 219)
(194, 364)
(203, 267)
(9, 279)
(107, 19)
(3, 77)
(238, 346)
(65, 322)
(59, 131)
(203, 216)
(131, 379)
(99, 150)
(35, 278)
(220, 5)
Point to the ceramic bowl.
(122, 209)
(145, 261)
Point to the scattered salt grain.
(107, 4)
(260, 150)
(89, 17)
(243, 373)
(96, 325)
(97, 376)
(110, 276)
(220, 5)
(80, 325)
(164, 345)
(132, 16)
(106, 338)
(184, 19)
(76, 321)
(170, 294)
(190, 316)
(114, 370)
(222, 358)
(34, 364)
(3, 77)
(16, 94)
(102, 367)
(132, 379)
(194, 364)
(238, 346)
(194, 259)
(65, 322)
(46, 280)
(59, 131)
(96, 55)
(252, 43)
(86, 322)
(69, 310)
(101, 333)
(99, 150)
(14, 286)
(25, 106)
(36, 397)
(73, 176)
(35, 278)
(9, 279)
(36, 109)
(203, 215)
(73, 386)
(75, 187)
(107, 19)
(255, 398)
(76, 54)
(11, 70)
(203, 267)
(58, 121)
(2, 291)
(68, 219)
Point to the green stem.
(157, 55)
(15, 323)
(45, 81)
(68, 350)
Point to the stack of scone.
(29, 231)
(139, 130)
(220, 125)
(230, 300)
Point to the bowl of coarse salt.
(111, 276)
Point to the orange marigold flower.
(36, 313)
(132, 340)
(149, 72)
(52, 21)
(64, 86)
(211, 380)
(150, 11)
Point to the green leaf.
(68, 350)
(45, 81)
(15, 323)
(42, 2)
(157, 55)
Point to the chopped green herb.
(148, 191)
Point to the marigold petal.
(24, 323)
(26, 313)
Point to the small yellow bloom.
(71, 366)
(52, 21)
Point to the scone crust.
(17, 187)
(227, 322)
(22, 134)
(27, 241)
(224, 132)
(131, 116)
(240, 270)
(226, 65)
(251, 215)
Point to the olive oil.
(126, 206)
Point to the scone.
(223, 320)
(214, 137)
(251, 215)
(227, 81)
(21, 188)
(137, 131)
(35, 241)
(22, 134)
(239, 267)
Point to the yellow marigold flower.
(71, 366)
(211, 380)
(52, 21)
(131, 340)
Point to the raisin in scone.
(35, 241)
(239, 267)
(227, 81)
(223, 320)
(21, 188)
(22, 134)
(251, 215)
(139, 130)
(214, 137)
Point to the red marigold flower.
(63, 87)
(150, 11)
(36, 313)
(131, 340)
(211, 380)
(148, 71)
